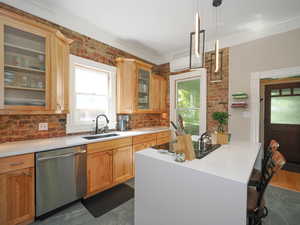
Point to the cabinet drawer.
(164, 134)
(108, 145)
(12, 163)
(143, 138)
(148, 144)
(163, 140)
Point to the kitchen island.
(207, 191)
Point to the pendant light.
(196, 38)
(217, 3)
(197, 29)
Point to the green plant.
(222, 118)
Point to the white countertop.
(38, 145)
(233, 161)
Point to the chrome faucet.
(103, 129)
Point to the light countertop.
(38, 145)
(234, 161)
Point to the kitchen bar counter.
(211, 190)
(38, 145)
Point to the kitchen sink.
(99, 136)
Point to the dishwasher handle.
(62, 156)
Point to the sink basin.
(99, 136)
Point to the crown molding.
(243, 37)
(84, 27)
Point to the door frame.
(202, 74)
(255, 95)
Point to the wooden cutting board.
(185, 145)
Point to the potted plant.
(222, 119)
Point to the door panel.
(99, 171)
(282, 120)
(122, 168)
(17, 196)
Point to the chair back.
(268, 153)
(274, 164)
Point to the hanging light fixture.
(196, 38)
(217, 3)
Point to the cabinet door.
(99, 169)
(163, 95)
(25, 66)
(122, 168)
(60, 73)
(17, 196)
(155, 93)
(143, 89)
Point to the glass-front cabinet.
(33, 66)
(24, 68)
(143, 101)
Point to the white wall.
(274, 52)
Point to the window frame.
(201, 74)
(74, 126)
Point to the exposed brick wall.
(144, 120)
(23, 127)
(217, 93)
(82, 46)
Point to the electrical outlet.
(43, 126)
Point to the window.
(92, 91)
(188, 100)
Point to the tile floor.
(283, 205)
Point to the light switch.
(43, 126)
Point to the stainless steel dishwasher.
(60, 178)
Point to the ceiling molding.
(243, 37)
(80, 25)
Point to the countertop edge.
(46, 144)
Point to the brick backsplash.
(23, 127)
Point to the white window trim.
(255, 95)
(75, 60)
(201, 73)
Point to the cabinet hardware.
(16, 164)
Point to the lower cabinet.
(99, 169)
(163, 137)
(17, 197)
(122, 164)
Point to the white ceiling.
(159, 29)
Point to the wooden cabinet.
(141, 142)
(108, 163)
(163, 137)
(33, 67)
(158, 93)
(122, 164)
(133, 86)
(17, 190)
(99, 169)
(60, 68)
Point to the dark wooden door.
(282, 121)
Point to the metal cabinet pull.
(27, 174)
(16, 164)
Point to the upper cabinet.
(158, 93)
(33, 67)
(138, 90)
